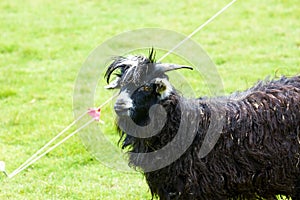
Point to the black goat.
(256, 154)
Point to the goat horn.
(114, 84)
(165, 67)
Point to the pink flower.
(95, 113)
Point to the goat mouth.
(121, 111)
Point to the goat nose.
(122, 107)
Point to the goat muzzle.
(123, 105)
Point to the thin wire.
(50, 149)
(108, 100)
(33, 158)
(51, 141)
(197, 30)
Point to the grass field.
(44, 43)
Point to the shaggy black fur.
(256, 157)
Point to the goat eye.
(146, 88)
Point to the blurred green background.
(43, 45)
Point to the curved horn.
(114, 84)
(165, 67)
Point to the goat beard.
(136, 145)
(145, 144)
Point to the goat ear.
(160, 86)
(165, 67)
(163, 87)
(114, 84)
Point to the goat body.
(256, 156)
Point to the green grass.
(44, 43)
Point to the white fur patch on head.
(164, 88)
(123, 103)
(130, 60)
(133, 62)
